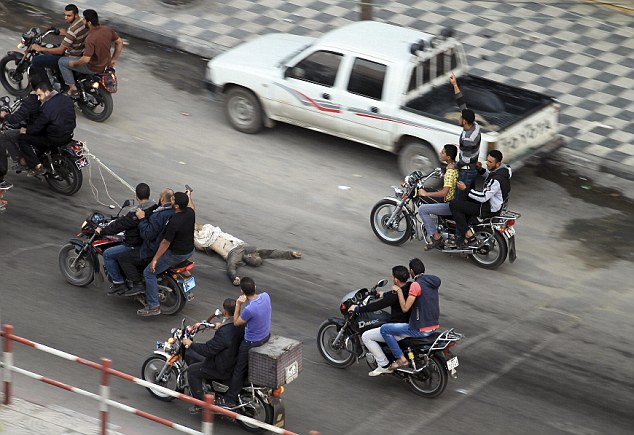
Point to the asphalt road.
(549, 338)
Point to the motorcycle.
(79, 264)
(63, 164)
(94, 97)
(430, 360)
(395, 220)
(167, 367)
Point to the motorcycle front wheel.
(170, 295)
(432, 380)
(340, 355)
(67, 178)
(396, 232)
(14, 81)
(493, 250)
(151, 369)
(98, 105)
(82, 273)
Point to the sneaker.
(193, 410)
(117, 289)
(147, 311)
(136, 289)
(5, 185)
(380, 370)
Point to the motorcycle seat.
(182, 266)
(417, 341)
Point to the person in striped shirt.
(72, 45)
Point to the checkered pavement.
(580, 52)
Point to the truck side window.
(367, 79)
(320, 67)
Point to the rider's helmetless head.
(71, 12)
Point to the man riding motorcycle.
(220, 353)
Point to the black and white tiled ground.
(580, 52)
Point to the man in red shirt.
(97, 56)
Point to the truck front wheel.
(417, 156)
(243, 110)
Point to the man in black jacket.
(53, 127)
(25, 114)
(129, 224)
(371, 337)
(220, 353)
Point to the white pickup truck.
(380, 85)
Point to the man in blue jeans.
(254, 311)
(424, 315)
(128, 223)
(177, 245)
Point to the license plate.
(292, 372)
(510, 232)
(189, 284)
(81, 162)
(452, 363)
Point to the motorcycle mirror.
(126, 203)
(217, 313)
(381, 283)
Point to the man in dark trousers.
(129, 224)
(177, 245)
(53, 127)
(220, 353)
(253, 310)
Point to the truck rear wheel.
(417, 156)
(243, 110)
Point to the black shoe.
(224, 403)
(137, 289)
(193, 410)
(118, 289)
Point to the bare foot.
(236, 280)
(296, 254)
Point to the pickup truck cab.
(381, 85)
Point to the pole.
(366, 9)
(105, 394)
(7, 332)
(208, 415)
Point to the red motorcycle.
(79, 263)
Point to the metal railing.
(208, 407)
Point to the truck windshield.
(438, 65)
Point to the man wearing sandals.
(422, 300)
(486, 202)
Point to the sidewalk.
(579, 53)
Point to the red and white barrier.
(103, 398)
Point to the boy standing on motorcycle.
(400, 276)
(422, 299)
(220, 353)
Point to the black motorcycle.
(167, 368)
(63, 164)
(395, 220)
(94, 96)
(430, 359)
(79, 264)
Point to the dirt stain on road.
(601, 240)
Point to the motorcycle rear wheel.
(337, 356)
(431, 381)
(150, 370)
(68, 177)
(83, 273)
(399, 232)
(258, 410)
(99, 107)
(493, 253)
(19, 88)
(170, 295)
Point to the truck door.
(307, 95)
(365, 116)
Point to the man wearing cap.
(469, 142)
